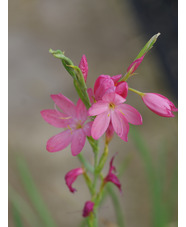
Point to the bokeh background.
(110, 33)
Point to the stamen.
(111, 105)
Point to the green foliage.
(43, 216)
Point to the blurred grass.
(163, 194)
(162, 210)
(35, 198)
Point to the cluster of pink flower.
(112, 114)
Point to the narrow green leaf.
(16, 217)
(33, 193)
(117, 207)
(21, 207)
(158, 210)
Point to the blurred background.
(110, 33)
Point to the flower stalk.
(99, 111)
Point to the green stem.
(136, 91)
(87, 165)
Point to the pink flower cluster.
(108, 105)
(110, 113)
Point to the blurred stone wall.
(110, 35)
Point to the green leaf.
(154, 184)
(16, 217)
(33, 193)
(22, 208)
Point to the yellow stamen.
(65, 118)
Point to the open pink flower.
(159, 104)
(72, 118)
(107, 84)
(83, 65)
(135, 64)
(88, 208)
(111, 109)
(71, 176)
(111, 177)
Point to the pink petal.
(122, 89)
(65, 104)
(91, 95)
(109, 133)
(103, 83)
(172, 106)
(83, 65)
(99, 80)
(81, 111)
(100, 125)
(71, 176)
(55, 118)
(158, 104)
(116, 78)
(78, 141)
(87, 128)
(59, 141)
(98, 108)
(88, 208)
(117, 123)
(113, 98)
(120, 125)
(114, 179)
(130, 113)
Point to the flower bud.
(88, 208)
(83, 65)
(159, 104)
(135, 64)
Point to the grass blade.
(33, 194)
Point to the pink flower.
(111, 177)
(72, 119)
(159, 104)
(83, 65)
(111, 109)
(134, 65)
(88, 208)
(107, 84)
(71, 176)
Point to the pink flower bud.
(111, 177)
(88, 208)
(71, 176)
(135, 64)
(83, 65)
(159, 104)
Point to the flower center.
(79, 125)
(111, 105)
